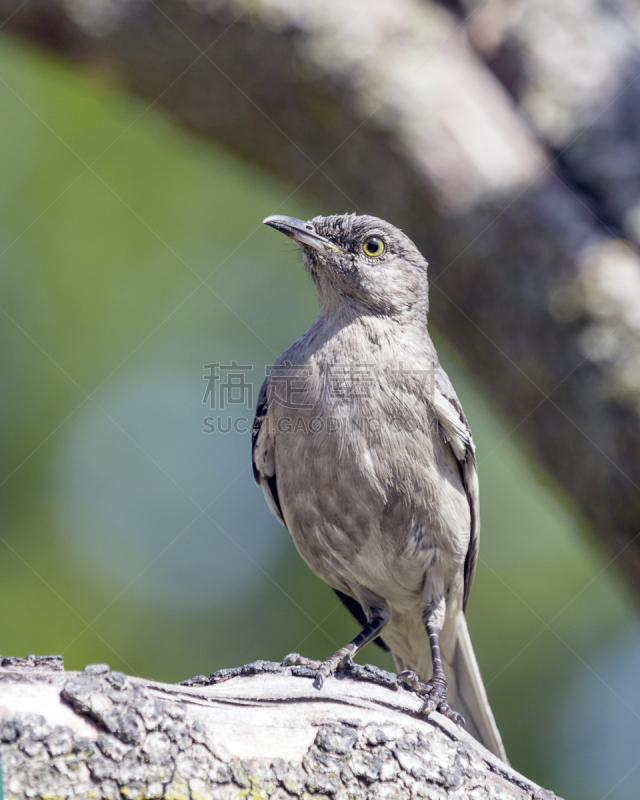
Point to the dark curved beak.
(302, 233)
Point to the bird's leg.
(434, 691)
(343, 658)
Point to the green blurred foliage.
(130, 256)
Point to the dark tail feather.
(356, 609)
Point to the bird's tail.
(465, 688)
(471, 698)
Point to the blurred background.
(132, 256)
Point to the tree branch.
(260, 731)
(573, 67)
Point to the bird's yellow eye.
(373, 246)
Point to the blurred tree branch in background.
(511, 157)
(573, 68)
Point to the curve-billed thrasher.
(365, 455)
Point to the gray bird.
(364, 453)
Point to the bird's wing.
(471, 698)
(264, 471)
(456, 432)
(263, 453)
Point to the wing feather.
(263, 454)
(456, 432)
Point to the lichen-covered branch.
(383, 107)
(257, 732)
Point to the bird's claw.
(409, 677)
(339, 660)
(323, 669)
(296, 660)
(434, 694)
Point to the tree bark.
(384, 108)
(256, 732)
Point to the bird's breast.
(367, 485)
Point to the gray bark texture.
(253, 733)
(519, 198)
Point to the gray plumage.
(364, 453)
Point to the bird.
(365, 455)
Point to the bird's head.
(360, 263)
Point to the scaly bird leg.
(342, 658)
(434, 691)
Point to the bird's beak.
(302, 233)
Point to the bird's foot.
(434, 693)
(341, 659)
(323, 669)
(296, 660)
